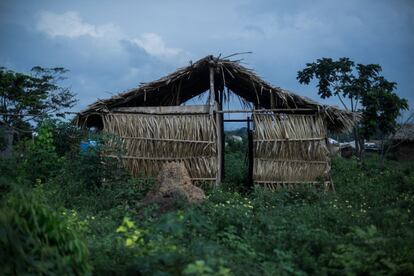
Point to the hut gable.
(191, 81)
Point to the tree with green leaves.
(360, 88)
(26, 99)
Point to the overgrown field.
(72, 213)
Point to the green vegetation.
(68, 219)
(360, 88)
(31, 98)
(37, 240)
(235, 161)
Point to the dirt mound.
(173, 184)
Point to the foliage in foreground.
(37, 240)
(366, 227)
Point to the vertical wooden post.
(328, 179)
(215, 106)
(221, 122)
(250, 161)
(212, 92)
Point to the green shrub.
(66, 137)
(235, 172)
(37, 240)
(8, 175)
(93, 167)
(40, 160)
(365, 227)
(3, 139)
(75, 194)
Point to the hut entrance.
(152, 136)
(238, 159)
(289, 149)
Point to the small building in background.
(236, 138)
(347, 149)
(333, 147)
(403, 143)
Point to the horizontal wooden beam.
(289, 182)
(291, 160)
(267, 110)
(182, 109)
(237, 120)
(327, 185)
(290, 139)
(157, 158)
(168, 140)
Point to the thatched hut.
(155, 125)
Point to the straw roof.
(191, 81)
(405, 133)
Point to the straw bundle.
(289, 127)
(326, 185)
(150, 140)
(289, 148)
(289, 171)
(201, 168)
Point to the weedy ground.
(365, 227)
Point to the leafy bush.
(37, 240)
(3, 139)
(96, 165)
(365, 227)
(66, 137)
(40, 160)
(8, 175)
(235, 172)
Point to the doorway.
(238, 152)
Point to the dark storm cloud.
(111, 46)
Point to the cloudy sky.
(111, 46)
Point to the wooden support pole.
(329, 185)
(214, 102)
(250, 184)
(220, 120)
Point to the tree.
(359, 88)
(29, 98)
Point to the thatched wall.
(289, 149)
(150, 140)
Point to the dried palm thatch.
(193, 80)
(149, 141)
(289, 149)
